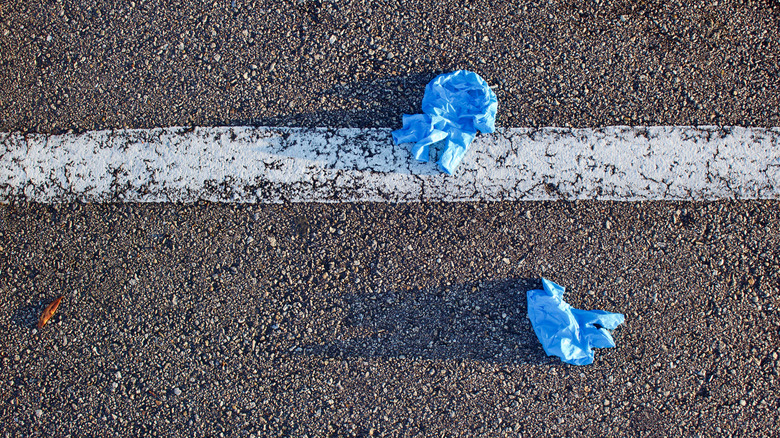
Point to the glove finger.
(598, 338)
(598, 318)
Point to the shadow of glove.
(566, 332)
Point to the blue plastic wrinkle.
(566, 332)
(455, 106)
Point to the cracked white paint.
(247, 164)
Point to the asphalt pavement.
(385, 319)
(69, 65)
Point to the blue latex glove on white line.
(455, 105)
(566, 332)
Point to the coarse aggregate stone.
(385, 319)
(77, 65)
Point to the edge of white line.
(269, 165)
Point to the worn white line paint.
(247, 164)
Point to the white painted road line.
(247, 164)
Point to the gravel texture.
(71, 65)
(382, 319)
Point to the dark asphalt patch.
(73, 66)
(380, 319)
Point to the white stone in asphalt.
(249, 164)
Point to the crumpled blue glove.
(566, 332)
(455, 105)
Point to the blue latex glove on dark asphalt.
(566, 332)
(455, 105)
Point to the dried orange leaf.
(49, 312)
